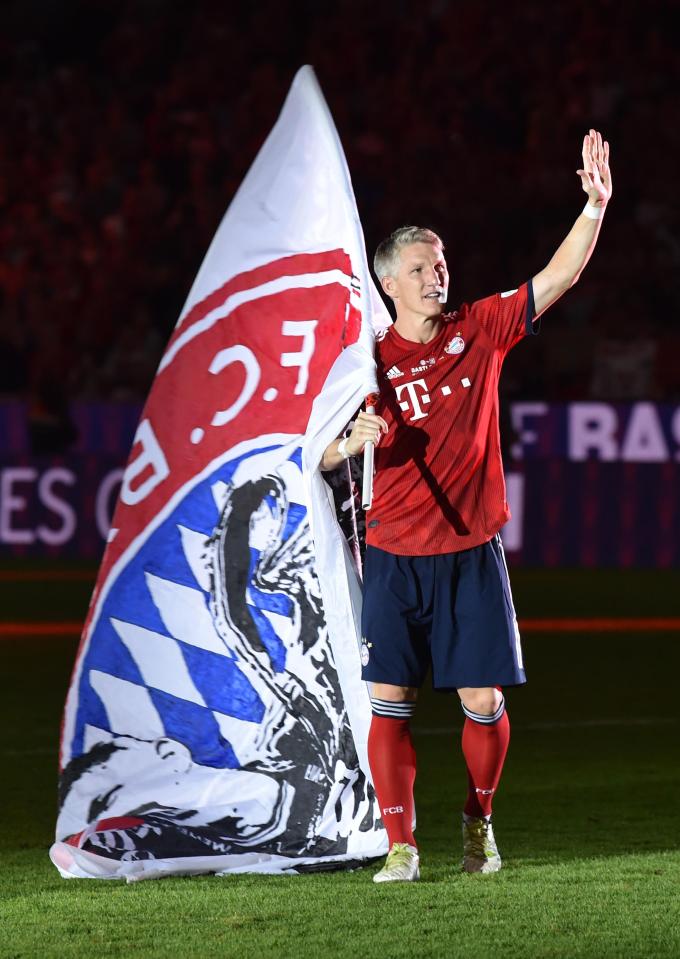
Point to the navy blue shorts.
(453, 612)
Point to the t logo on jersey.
(415, 400)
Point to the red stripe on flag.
(297, 265)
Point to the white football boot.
(402, 865)
(480, 852)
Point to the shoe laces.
(479, 835)
(401, 854)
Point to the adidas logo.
(393, 373)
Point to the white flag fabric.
(211, 724)
(351, 378)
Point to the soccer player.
(436, 588)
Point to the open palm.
(596, 178)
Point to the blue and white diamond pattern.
(156, 665)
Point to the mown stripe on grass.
(447, 730)
(566, 724)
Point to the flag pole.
(367, 486)
(364, 277)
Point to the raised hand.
(596, 178)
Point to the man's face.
(421, 282)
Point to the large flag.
(211, 725)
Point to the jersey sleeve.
(507, 317)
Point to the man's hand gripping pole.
(367, 489)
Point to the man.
(436, 589)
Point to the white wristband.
(593, 212)
(342, 448)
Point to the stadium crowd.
(129, 126)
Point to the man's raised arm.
(566, 266)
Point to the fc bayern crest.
(457, 345)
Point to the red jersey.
(439, 485)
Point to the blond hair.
(386, 259)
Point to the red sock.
(484, 748)
(393, 766)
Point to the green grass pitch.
(587, 816)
